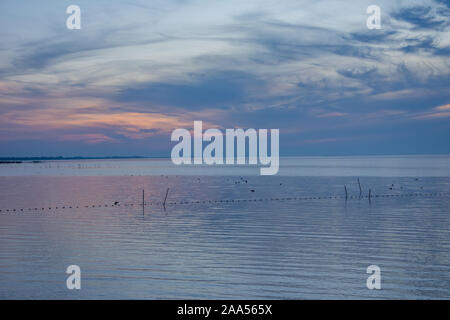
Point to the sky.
(137, 70)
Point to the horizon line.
(62, 158)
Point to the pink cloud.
(331, 115)
(91, 138)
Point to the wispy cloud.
(139, 69)
(435, 113)
(444, 107)
(331, 115)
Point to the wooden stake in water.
(164, 203)
(346, 194)
(370, 195)
(143, 202)
(360, 190)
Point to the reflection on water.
(259, 249)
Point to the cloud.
(434, 115)
(424, 17)
(442, 108)
(220, 90)
(316, 141)
(137, 69)
(331, 115)
(438, 112)
(91, 138)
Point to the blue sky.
(139, 69)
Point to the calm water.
(269, 248)
(376, 166)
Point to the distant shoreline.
(30, 159)
(24, 159)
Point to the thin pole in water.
(370, 194)
(360, 190)
(346, 194)
(164, 203)
(143, 202)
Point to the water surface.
(266, 245)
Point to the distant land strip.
(25, 159)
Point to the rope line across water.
(228, 201)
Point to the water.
(376, 166)
(270, 247)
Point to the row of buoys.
(62, 207)
(160, 203)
